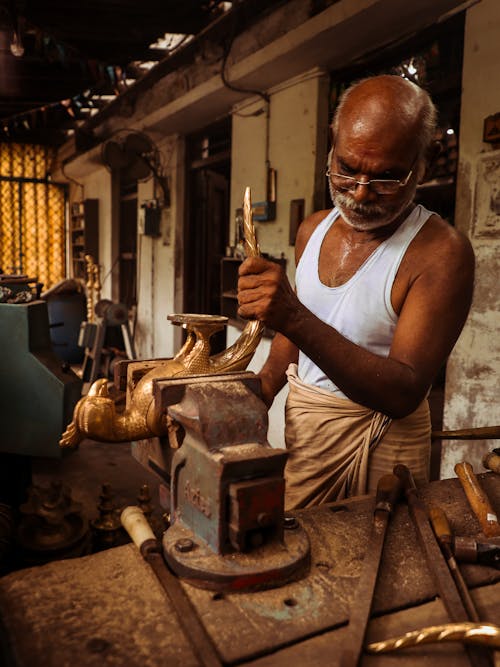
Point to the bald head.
(388, 102)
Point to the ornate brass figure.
(485, 634)
(93, 285)
(89, 260)
(96, 417)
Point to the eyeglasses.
(381, 186)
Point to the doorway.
(128, 245)
(207, 228)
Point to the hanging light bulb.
(411, 67)
(16, 44)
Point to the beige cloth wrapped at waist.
(338, 448)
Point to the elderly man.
(383, 289)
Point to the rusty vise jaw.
(227, 488)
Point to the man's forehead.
(376, 129)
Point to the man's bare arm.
(283, 352)
(273, 374)
(433, 311)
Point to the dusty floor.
(85, 471)
(93, 464)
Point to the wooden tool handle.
(137, 526)
(440, 524)
(478, 499)
(404, 474)
(491, 460)
(389, 489)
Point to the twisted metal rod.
(486, 634)
(251, 246)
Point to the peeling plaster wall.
(298, 128)
(473, 370)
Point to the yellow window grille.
(32, 215)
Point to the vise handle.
(137, 526)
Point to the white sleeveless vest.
(360, 309)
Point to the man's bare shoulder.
(443, 242)
(306, 228)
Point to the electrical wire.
(110, 270)
(228, 84)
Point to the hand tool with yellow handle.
(442, 530)
(137, 526)
(388, 493)
(436, 562)
(491, 460)
(478, 499)
(485, 634)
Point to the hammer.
(469, 550)
(491, 460)
(478, 500)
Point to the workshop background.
(130, 133)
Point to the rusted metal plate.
(326, 649)
(108, 609)
(267, 620)
(272, 564)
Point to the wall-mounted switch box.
(264, 211)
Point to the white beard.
(360, 216)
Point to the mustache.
(361, 209)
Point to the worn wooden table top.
(108, 608)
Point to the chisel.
(388, 493)
(442, 530)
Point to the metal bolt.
(184, 545)
(264, 519)
(290, 523)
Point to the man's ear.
(433, 152)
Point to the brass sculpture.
(96, 416)
(89, 266)
(485, 634)
(93, 285)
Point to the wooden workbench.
(109, 609)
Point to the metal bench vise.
(228, 526)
